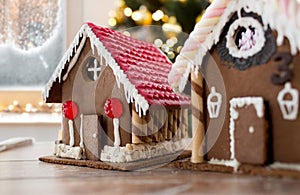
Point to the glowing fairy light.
(158, 15)
(112, 21)
(127, 11)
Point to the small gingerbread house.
(117, 104)
(247, 52)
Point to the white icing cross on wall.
(95, 70)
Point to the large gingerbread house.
(117, 104)
(247, 52)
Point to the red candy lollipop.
(113, 108)
(70, 109)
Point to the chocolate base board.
(130, 166)
(243, 169)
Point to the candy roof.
(141, 67)
(281, 15)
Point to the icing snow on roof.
(141, 67)
(281, 15)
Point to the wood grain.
(22, 173)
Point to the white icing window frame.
(245, 22)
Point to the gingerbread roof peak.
(279, 15)
(141, 67)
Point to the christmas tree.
(172, 15)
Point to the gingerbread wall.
(90, 96)
(284, 135)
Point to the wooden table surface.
(22, 173)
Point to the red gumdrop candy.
(69, 110)
(113, 108)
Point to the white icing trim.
(131, 92)
(76, 56)
(236, 164)
(289, 108)
(257, 102)
(71, 132)
(245, 22)
(288, 166)
(270, 14)
(81, 132)
(212, 106)
(65, 59)
(116, 124)
(230, 163)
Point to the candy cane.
(191, 47)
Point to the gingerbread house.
(116, 102)
(248, 92)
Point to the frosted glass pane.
(32, 37)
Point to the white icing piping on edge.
(230, 163)
(246, 22)
(131, 92)
(76, 56)
(287, 166)
(285, 28)
(65, 59)
(275, 165)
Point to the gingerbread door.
(248, 130)
(91, 136)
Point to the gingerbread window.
(246, 42)
(92, 68)
(245, 37)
